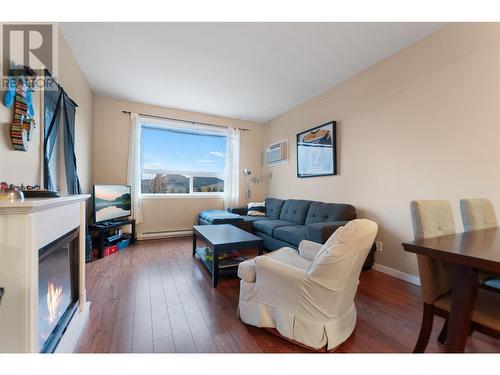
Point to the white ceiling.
(251, 71)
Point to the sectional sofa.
(287, 222)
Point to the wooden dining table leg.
(463, 299)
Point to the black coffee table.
(223, 237)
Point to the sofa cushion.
(295, 210)
(320, 212)
(219, 217)
(291, 234)
(320, 232)
(268, 226)
(271, 243)
(253, 219)
(273, 208)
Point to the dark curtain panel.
(69, 146)
(52, 99)
(58, 105)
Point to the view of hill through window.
(181, 162)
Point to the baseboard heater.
(164, 234)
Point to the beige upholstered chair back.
(339, 262)
(477, 214)
(432, 218)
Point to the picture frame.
(317, 151)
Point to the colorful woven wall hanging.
(19, 94)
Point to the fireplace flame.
(54, 296)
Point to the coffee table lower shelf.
(224, 264)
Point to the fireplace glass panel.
(56, 293)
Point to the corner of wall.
(72, 78)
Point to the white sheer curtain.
(232, 170)
(134, 166)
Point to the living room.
(261, 187)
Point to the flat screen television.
(111, 202)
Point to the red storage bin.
(108, 250)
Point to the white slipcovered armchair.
(308, 296)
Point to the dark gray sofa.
(287, 222)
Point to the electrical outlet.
(378, 244)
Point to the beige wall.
(422, 124)
(112, 129)
(16, 166)
(75, 84)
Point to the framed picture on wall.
(317, 151)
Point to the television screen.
(111, 202)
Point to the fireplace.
(57, 288)
(44, 306)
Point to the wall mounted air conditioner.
(277, 153)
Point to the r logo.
(32, 45)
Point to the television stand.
(102, 229)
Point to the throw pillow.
(256, 209)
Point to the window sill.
(182, 196)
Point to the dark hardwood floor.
(154, 297)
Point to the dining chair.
(433, 218)
(479, 214)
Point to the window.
(182, 160)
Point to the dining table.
(470, 252)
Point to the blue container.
(123, 244)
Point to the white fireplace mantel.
(25, 227)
